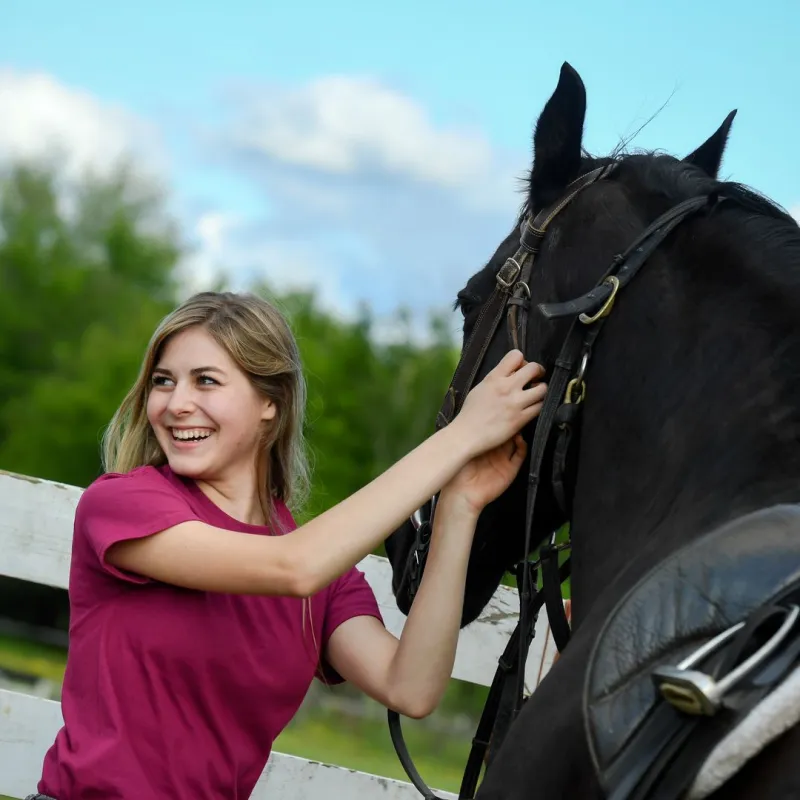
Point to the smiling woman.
(200, 612)
(219, 364)
(206, 414)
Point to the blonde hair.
(257, 337)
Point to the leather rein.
(511, 297)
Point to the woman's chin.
(188, 466)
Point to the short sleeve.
(119, 507)
(350, 596)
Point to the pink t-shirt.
(170, 692)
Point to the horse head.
(644, 376)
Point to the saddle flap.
(702, 590)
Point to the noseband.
(511, 297)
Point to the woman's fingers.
(519, 448)
(527, 373)
(535, 394)
(509, 364)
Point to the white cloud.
(357, 127)
(380, 202)
(365, 196)
(208, 250)
(223, 244)
(45, 119)
(340, 124)
(232, 246)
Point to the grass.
(31, 658)
(365, 745)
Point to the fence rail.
(36, 519)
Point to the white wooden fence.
(36, 519)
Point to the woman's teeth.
(189, 435)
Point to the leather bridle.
(566, 392)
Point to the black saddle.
(648, 730)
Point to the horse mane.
(765, 226)
(679, 180)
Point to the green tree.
(369, 402)
(86, 273)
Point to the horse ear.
(709, 155)
(558, 137)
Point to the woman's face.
(205, 412)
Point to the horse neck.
(691, 416)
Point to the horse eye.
(467, 303)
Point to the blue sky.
(373, 148)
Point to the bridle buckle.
(507, 274)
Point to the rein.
(560, 411)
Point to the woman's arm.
(200, 556)
(411, 675)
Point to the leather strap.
(511, 294)
(498, 696)
(478, 343)
(554, 603)
(627, 265)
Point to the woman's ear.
(269, 410)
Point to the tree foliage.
(86, 275)
(369, 401)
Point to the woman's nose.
(181, 399)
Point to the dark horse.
(684, 468)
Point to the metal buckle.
(576, 388)
(526, 290)
(508, 273)
(695, 692)
(613, 282)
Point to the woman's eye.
(203, 380)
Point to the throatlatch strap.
(551, 589)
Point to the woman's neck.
(238, 499)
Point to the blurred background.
(356, 162)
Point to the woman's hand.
(500, 405)
(487, 476)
